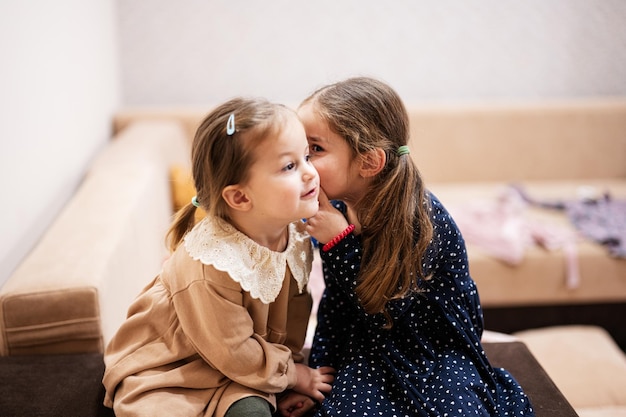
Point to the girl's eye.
(289, 166)
(316, 148)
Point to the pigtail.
(393, 246)
(184, 221)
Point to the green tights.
(249, 407)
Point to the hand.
(294, 404)
(314, 383)
(327, 223)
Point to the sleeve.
(298, 314)
(221, 331)
(448, 263)
(341, 268)
(335, 315)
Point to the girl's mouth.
(311, 193)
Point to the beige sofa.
(71, 292)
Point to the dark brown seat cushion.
(70, 385)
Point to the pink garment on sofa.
(502, 229)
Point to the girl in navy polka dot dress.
(400, 319)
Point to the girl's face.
(283, 184)
(332, 157)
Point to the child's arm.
(334, 319)
(228, 341)
(298, 314)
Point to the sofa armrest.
(73, 290)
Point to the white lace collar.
(258, 270)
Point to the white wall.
(195, 52)
(60, 82)
(59, 86)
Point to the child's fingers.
(319, 395)
(327, 370)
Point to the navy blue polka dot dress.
(431, 362)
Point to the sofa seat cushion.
(611, 411)
(53, 385)
(584, 362)
(541, 275)
(29, 385)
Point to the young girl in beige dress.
(220, 330)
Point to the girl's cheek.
(317, 165)
(321, 170)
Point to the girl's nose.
(309, 172)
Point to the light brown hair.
(219, 159)
(394, 215)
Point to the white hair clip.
(230, 125)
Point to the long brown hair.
(394, 215)
(219, 159)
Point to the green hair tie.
(403, 150)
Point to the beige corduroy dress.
(225, 319)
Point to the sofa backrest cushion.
(542, 141)
(504, 142)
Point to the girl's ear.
(236, 198)
(372, 162)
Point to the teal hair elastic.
(403, 150)
(194, 201)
